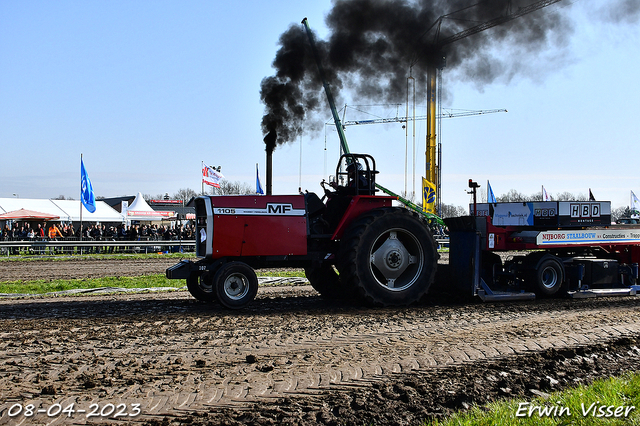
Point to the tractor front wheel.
(389, 257)
(201, 287)
(235, 284)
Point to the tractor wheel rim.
(236, 286)
(549, 277)
(396, 259)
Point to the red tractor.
(353, 244)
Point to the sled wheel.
(201, 287)
(326, 281)
(389, 257)
(549, 276)
(235, 284)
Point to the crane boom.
(463, 113)
(327, 88)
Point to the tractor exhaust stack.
(270, 146)
(269, 171)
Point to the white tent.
(43, 206)
(104, 212)
(140, 210)
(67, 210)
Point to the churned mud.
(290, 357)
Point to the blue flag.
(86, 195)
(258, 186)
(490, 197)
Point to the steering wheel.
(327, 191)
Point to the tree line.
(227, 187)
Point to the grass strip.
(147, 281)
(612, 401)
(45, 286)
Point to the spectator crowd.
(28, 231)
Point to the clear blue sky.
(147, 90)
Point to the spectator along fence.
(75, 246)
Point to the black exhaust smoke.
(373, 44)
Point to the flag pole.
(202, 176)
(80, 230)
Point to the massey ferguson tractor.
(352, 243)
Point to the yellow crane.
(437, 61)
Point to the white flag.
(545, 196)
(635, 205)
(211, 176)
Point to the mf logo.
(585, 210)
(273, 208)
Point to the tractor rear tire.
(326, 281)
(389, 257)
(201, 287)
(235, 284)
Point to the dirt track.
(86, 268)
(292, 357)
